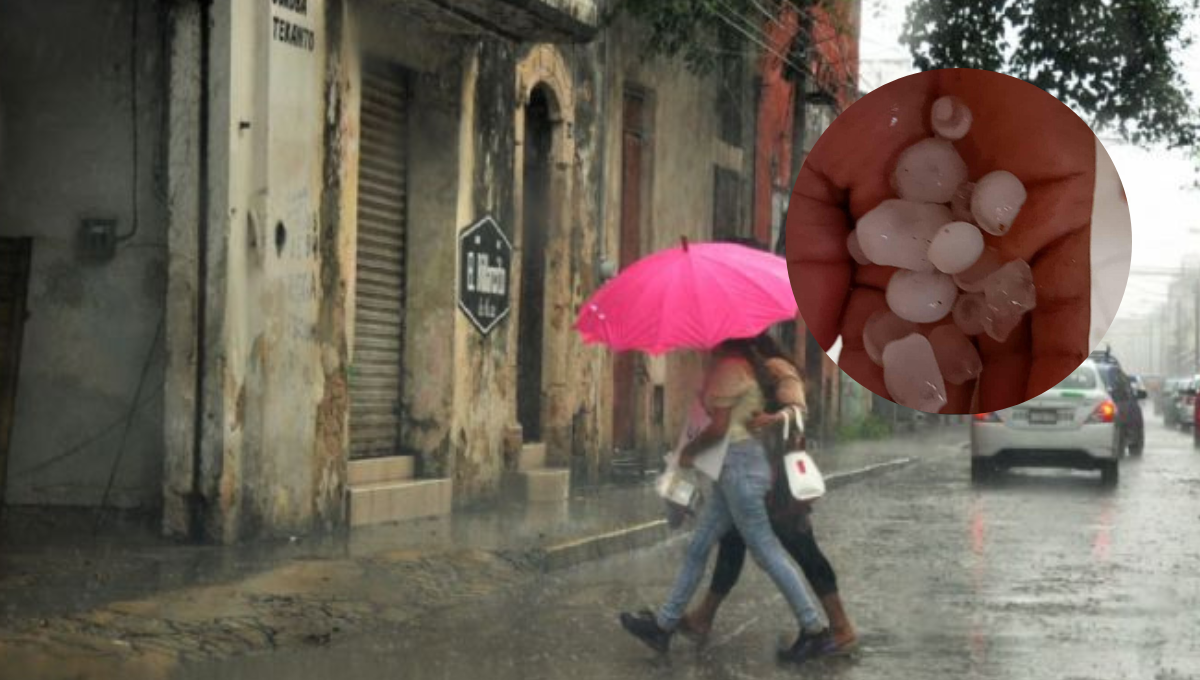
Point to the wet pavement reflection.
(1042, 574)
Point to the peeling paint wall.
(278, 242)
(184, 63)
(686, 146)
(282, 258)
(335, 291)
(577, 380)
(70, 116)
(271, 335)
(484, 390)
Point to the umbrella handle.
(683, 240)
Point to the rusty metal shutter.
(375, 386)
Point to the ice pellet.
(1011, 286)
(996, 200)
(884, 327)
(912, 376)
(971, 279)
(929, 171)
(957, 357)
(950, 118)
(921, 297)
(955, 247)
(897, 233)
(970, 311)
(855, 248)
(1010, 294)
(999, 325)
(960, 203)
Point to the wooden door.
(625, 394)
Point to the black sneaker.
(644, 627)
(809, 646)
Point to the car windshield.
(1084, 378)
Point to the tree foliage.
(1111, 60)
(705, 33)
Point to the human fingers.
(1043, 142)
(854, 360)
(839, 182)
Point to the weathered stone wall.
(283, 251)
(269, 338)
(686, 146)
(435, 114)
(70, 114)
(484, 387)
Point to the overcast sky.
(1155, 180)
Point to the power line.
(752, 35)
(763, 10)
(759, 37)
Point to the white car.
(1069, 426)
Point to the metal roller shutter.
(382, 234)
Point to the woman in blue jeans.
(733, 398)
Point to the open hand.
(1017, 127)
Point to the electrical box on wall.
(98, 238)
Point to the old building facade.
(333, 280)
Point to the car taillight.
(987, 417)
(1104, 413)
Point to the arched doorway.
(537, 201)
(543, 219)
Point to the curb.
(837, 479)
(577, 551)
(588, 548)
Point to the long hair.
(746, 349)
(768, 348)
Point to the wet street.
(1043, 574)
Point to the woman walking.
(733, 397)
(790, 519)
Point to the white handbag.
(803, 476)
(679, 487)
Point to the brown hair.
(747, 348)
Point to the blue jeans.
(737, 500)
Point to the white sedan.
(1069, 426)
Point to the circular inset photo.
(958, 241)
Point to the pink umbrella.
(689, 297)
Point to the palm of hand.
(1017, 127)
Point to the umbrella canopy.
(692, 296)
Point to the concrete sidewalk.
(136, 607)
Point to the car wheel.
(981, 470)
(1137, 448)
(1109, 473)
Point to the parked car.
(1131, 428)
(1073, 425)
(1166, 401)
(1195, 421)
(1185, 402)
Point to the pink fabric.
(689, 299)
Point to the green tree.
(1113, 61)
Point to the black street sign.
(484, 270)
